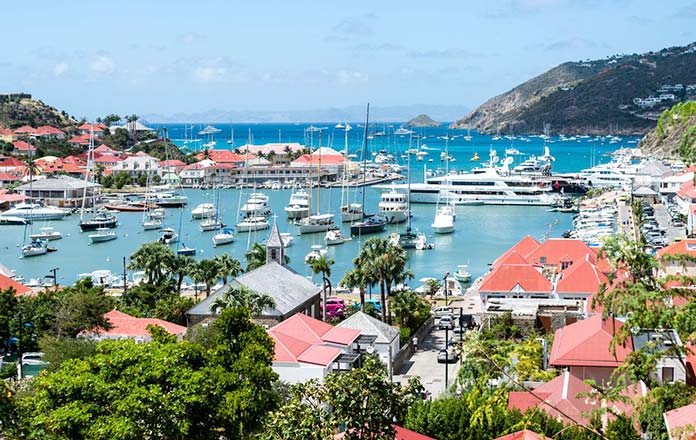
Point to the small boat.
(370, 225)
(152, 224)
(129, 207)
(334, 237)
(317, 252)
(46, 233)
(11, 220)
(475, 157)
(444, 220)
(287, 238)
(211, 224)
(316, 223)
(167, 199)
(168, 236)
(102, 234)
(462, 274)
(351, 212)
(224, 236)
(102, 278)
(203, 210)
(252, 224)
(410, 240)
(36, 247)
(186, 251)
(157, 213)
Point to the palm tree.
(242, 296)
(372, 263)
(323, 265)
(154, 259)
(206, 271)
(255, 257)
(180, 266)
(356, 278)
(229, 267)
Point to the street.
(424, 364)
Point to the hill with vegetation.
(622, 94)
(422, 121)
(675, 134)
(20, 109)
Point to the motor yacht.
(253, 224)
(334, 237)
(47, 233)
(317, 252)
(35, 212)
(316, 223)
(169, 236)
(444, 220)
(102, 235)
(393, 207)
(256, 205)
(102, 219)
(203, 210)
(298, 207)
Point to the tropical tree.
(181, 266)
(208, 272)
(323, 265)
(409, 308)
(255, 257)
(356, 278)
(242, 296)
(154, 259)
(229, 267)
(80, 308)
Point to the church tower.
(275, 251)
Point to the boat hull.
(394, 217)
(444, 229)
(221, 239)
(102, 238)
(252, 227)
(50, 237)
(93, 226)
(363, 228)
(296, 212)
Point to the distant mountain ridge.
(620, 95)
(397, 113)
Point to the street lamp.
(446, 334)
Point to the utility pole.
(19, 347)
(125, 275)
(55, 276)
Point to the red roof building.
(25, 129)
(584, 348)
(7, 135)
(523, 435)
(516, 279)
(681, 423)
(400, 433)
(9, 283)
(682, 247)
(104, 149)
(86, 128)
(14, 166)
(23, 148)
(48, 132)
(124, 326)
(225, 156)
(80, 140)
(308, 348)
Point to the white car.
(446, 323)
(441, 311)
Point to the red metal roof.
(681, 422)
(399, 434)
(5, 177)
(307, 159)
(685, 247)
(82, 139)
(587, 343)
(581, 277)
(130, 326)
(88, 127)
(12, 162)
(523, 435)
(505, 277)
(6, 132)
(223, 156)
(25, 129)
(6, 283)
(23, 146)
(523, 247)
(45, 130)
(172, 163)
(553, 250)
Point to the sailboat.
(350, 211)
(224, 235)
(231, 139)
(36, 247)
(212, 220)
(409, 239)
(444, 212)
(151, 221)
(102, 219)
(369, 224)
(318, 222)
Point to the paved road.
(424, 364)
(665, 221)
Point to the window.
(565, 265)
(274, 254)
(667, 374)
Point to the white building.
(387, 343)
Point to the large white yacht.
(393, 207)
(34, 211)
(486, 186)
(298, 207)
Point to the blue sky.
(92, 58)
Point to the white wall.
(297, 373)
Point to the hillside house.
(124, 326)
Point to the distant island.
(422, 121)
(621, 94)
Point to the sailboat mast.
(90, 162)
(365, 151)
(319, 177)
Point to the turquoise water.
(482, 232)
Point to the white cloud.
(348, 78)
(60, 69)
(102, 64)
(208, 74)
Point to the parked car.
(446, 323)
(441, 311)
(335, 308)
(374, 302)
(458, 330)
(445, 356)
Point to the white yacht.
(317, 252)
(393, 207)
(482, 186)
(287, 238)
(252, 224)
(604, 177)
(152, 224)
(256, 205)
(462, 274)
(444, 219)
(36, 247)
(224, 236)
(168, 236)
(166, 199)
(316, 223)
(203, 210)
(334, 237)
(211, 224)
(351, 212)
(47, 233)
(34, 212)
(298, 207)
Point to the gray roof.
(57, 183)
(274, 239)
(370, 326)
(661, 338)
(644, 191)
(287, 288)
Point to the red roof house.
(523, 435)
(23, 148)
(519, 278)
(399, 434)
(48, 132)
(308, 348)
(86, 128)
(584, 348)
(7, 135)
(682, 247)
(681, 423)
(124, 326)
(25, 129)
(581, 278)
(19, 288)
(80, 140)
(224, 156)
(523, 247)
